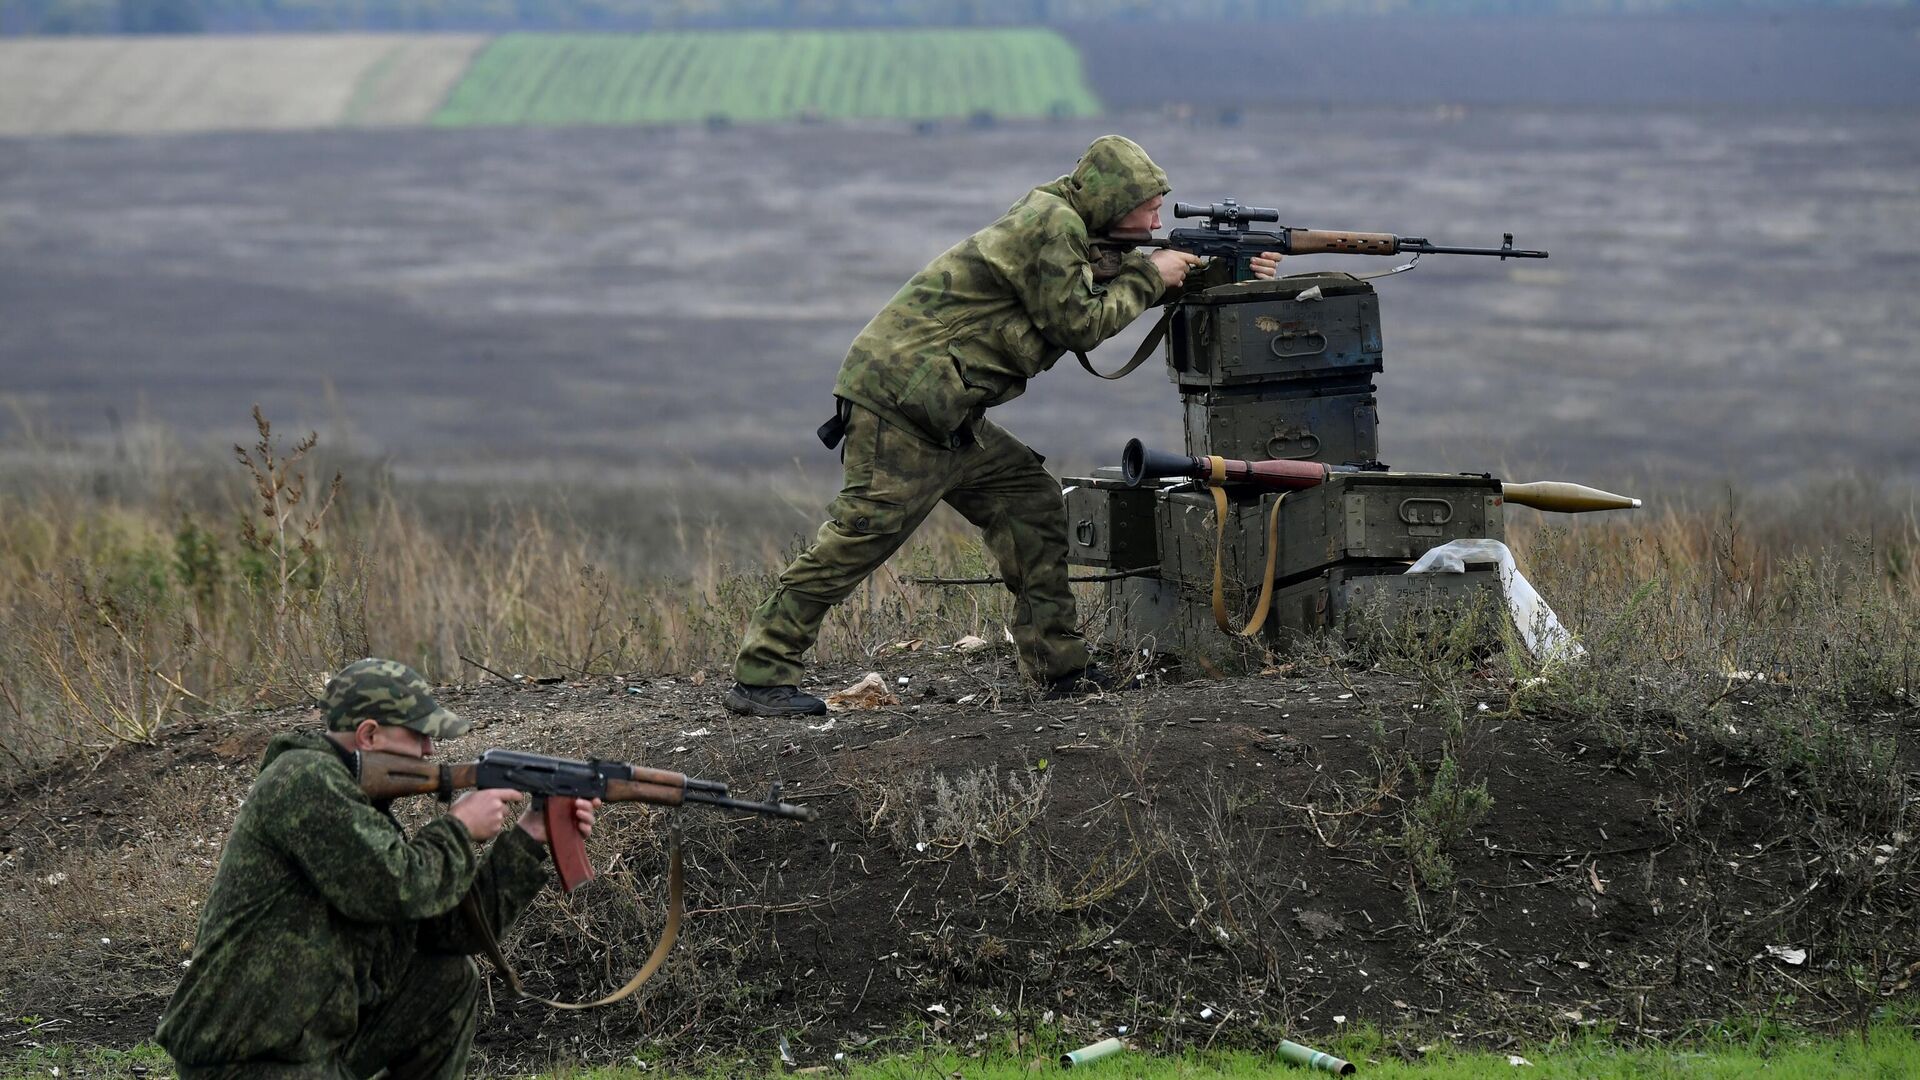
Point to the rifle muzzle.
(770, 808)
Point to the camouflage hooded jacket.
(319, 902)
(1007, 302)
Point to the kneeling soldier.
(332, 945)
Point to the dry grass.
(148, 590)
(1787, 634)
(138, 589)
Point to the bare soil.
(1206, 862)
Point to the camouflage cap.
(390, 692)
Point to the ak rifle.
(556, 784)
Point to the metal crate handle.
(1274, 345)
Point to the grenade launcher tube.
(1139, 464)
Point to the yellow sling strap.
(1216, 478)
(668, 935)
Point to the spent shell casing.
(1101, 1049)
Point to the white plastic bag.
(1545, 637)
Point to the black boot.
(773, 701)
(1092, 680)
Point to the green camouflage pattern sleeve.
(511, 875)
(968, 331)
(364, 867)
(1072, 311)
(1110, 179)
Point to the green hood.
(1111, 178)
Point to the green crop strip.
(757, 76)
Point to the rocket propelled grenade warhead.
(1564, 498)
(1139, 464)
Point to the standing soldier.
(965, 334)
(332, 945)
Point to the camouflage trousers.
(420, 1032)
(893, 481)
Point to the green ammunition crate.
(1184, 521)
(1109, 524)
(1164, 616)
(1356, 600)
(1260, 332)
(1337, 427)
(1364, 517)
(1167, 617)
(1384, 516)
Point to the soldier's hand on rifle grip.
(1266, 265)
(536, 823)
(1173, 266)
(485, 813)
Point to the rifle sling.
(1140, 355)
(668, 935)
(1265, 603)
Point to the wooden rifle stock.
(394, 776)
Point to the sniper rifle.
(1224, 235)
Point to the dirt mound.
(1204, 862)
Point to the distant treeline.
(191, 16)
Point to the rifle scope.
(1229, 210)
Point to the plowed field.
(144, 85)
(769, 75)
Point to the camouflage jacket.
(1007, 302)
(319, 902)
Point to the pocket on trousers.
(860, 516)
(897, 474)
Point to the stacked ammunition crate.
(1278, 369)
